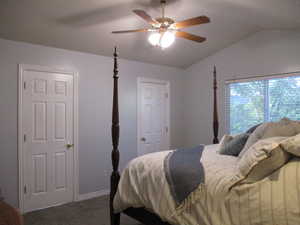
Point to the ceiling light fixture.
(162, 39)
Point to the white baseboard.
(90, 195)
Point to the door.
(153, 116)
(48, 135)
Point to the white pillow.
(292, 145)
(271, 129)
(225, 139)
(262, 159)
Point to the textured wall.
(95, 98)
(263, 53)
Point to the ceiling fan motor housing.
(165, 21)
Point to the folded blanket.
(184, 172)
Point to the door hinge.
(167, 129)
(24, 137)
(166, 95)
(24, 85)
(25, 189)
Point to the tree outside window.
(257, 101)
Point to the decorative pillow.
(235, 145)
(226, 138)
(292, 145)
(262, 159)
(252, 129)
(270, 129)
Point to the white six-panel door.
(47, 150)
(153, 116)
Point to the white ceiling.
(86, 25)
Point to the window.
(254, 101)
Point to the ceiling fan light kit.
(164, 29)
(162, 40)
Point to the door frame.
(141, 80)
(28, 67)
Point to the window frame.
(250, 79)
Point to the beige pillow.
(294, 123)
(292, 145)
(271, 129)
(262, 159)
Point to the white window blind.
(253, 101)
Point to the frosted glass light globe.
(167, 39)
(154, 39)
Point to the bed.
(225, 197)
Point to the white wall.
(263, 53)
(95, 98)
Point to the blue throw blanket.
(184, 172)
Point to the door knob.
(143, 139)
(69, 146)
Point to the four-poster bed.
(203, 186)
(140, 214)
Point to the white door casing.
(153, 115)
(48, 173)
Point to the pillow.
(252, 129)
(226, 138)
(286, 120)
(234, 145)
(294, 123)
(292, 145)
(270, 129)
(262, 159)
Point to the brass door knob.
(69, 146)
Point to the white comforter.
(274, 200)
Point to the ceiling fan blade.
(129, 31)
(145, 16)
(189, 36)
(192, 22)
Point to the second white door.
(153, 115)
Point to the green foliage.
(264, 100)
(246, 105)
(284, 95)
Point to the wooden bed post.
(215, 110)
(115, 132)
(140, 214)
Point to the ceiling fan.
(164, 29)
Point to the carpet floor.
(89, 212)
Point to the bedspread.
(274, 200)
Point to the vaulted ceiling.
(86, 25)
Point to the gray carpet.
(90, 212)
